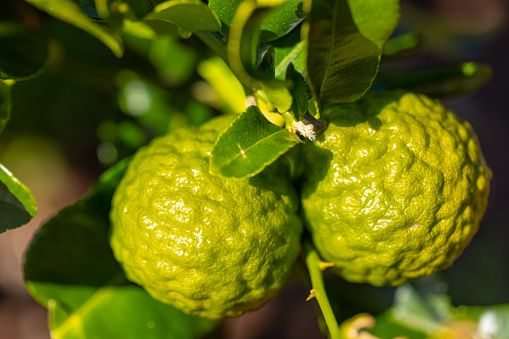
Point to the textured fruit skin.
(209, 246)
(395, 188)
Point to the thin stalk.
(313, 262)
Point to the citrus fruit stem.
(315, 273)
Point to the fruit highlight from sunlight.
(395, 188)
(209, 246)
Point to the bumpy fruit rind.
(396, 188)
(209, 246)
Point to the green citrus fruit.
(209, 246)
(395, 188)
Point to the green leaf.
(439, 82)
(190, 15)
(276, 24)
(345, 42)
(249, 145)
(387, 327)
(243, 44)
(5, 105)
(70, 269)
(277, 92)
(23, 52)
(17, 205)
(293, 54)
(242, 48)
(401, 45)
(493, 321)
(268, 63)
(299, 92)
(282, 20)
(68, 11)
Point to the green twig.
(313, 262)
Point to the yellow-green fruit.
(395, 188)
(209, 246)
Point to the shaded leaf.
(249, 145)
(190, 15)
(268, 63)
(23, 52)
(70, 269)
(439, 82)
(345, 42)
(68, 11)
(89, 7)
(17, 205)
(299, 92)
(276, 24)
(5, 105)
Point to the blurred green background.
(89, 109)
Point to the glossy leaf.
(249, 145)
(190, 15)
(5, 105)
(70, 269)
(345, 42)
(276, 24)
(439, 82)
(299, 92)
(17, 205)
(68, 11)
(23, 52)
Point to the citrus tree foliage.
(277, 65)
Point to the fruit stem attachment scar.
(318, 289)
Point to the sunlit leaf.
(294, 54)
(276, 24)
(190, 15)
(243, 45)
(345, 42)
(23, 52)
(70, 269)
(249, 145)
(438, 82)
(68, 11)
(17, 205)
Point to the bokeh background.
(89, 109)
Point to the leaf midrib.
(250, 147)
(334, 19)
